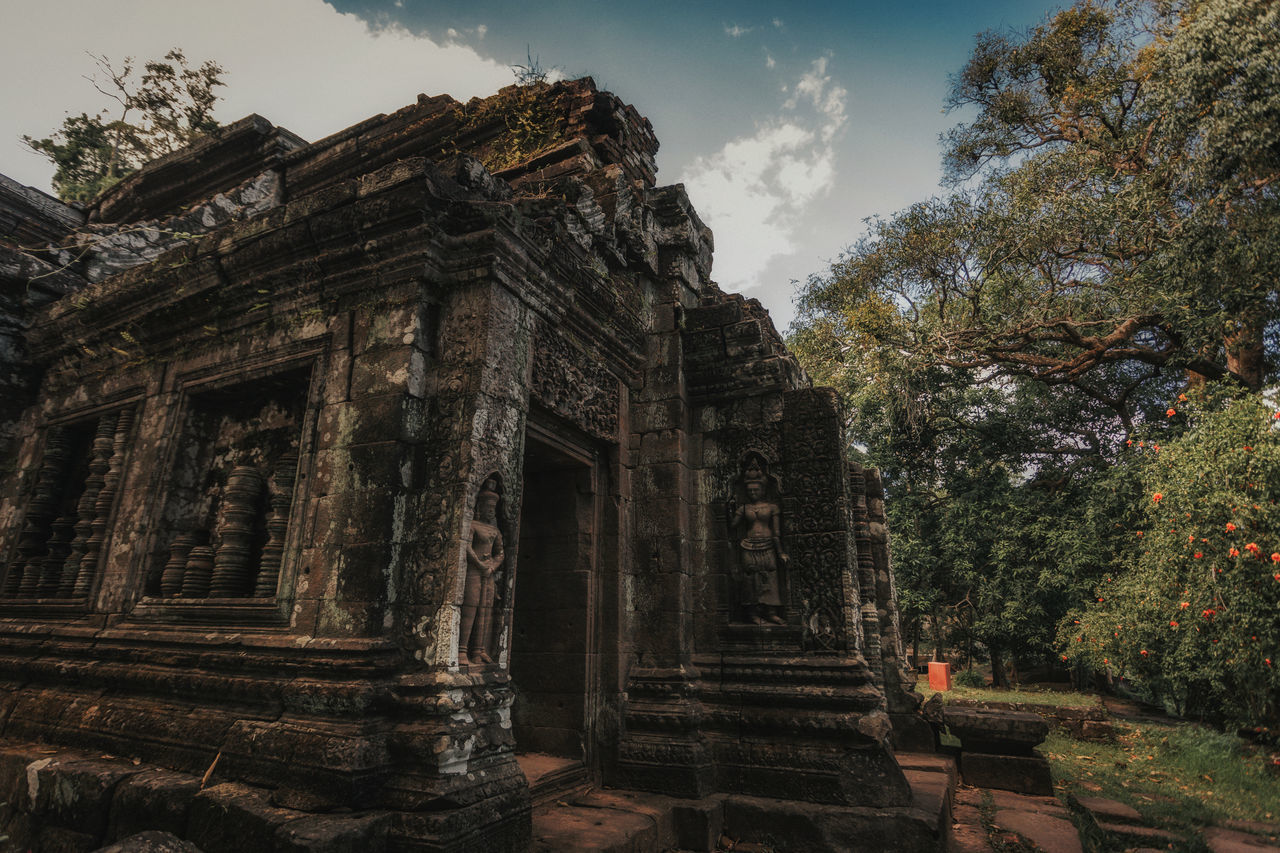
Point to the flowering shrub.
(1212, 526)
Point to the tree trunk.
(1246, 354)
(998, 677)
(937, 635)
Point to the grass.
(1029, 695)
(1178, 775)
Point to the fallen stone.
(1104, 809)
(1051, 834)
(152, 841)
(1223, 840)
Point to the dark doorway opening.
(553, 646)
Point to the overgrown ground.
(1179, 775)
(1176, 774)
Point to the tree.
(172, 104)
(1110, 236)
(1195, 617)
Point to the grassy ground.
(1030, 695)
(1176, 774)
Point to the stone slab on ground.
(967, 832)
(1105, 810)
(1142, 834)
(1220, 839)
(971, 796)
(1051, 834)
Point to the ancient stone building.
(383, 487)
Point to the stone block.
(1000, 732)
(232, 818)
(1027, 774)
(75, 793)
(335, 833)
(939, 675)
(151, 841)
(152, 800)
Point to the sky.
(790, 124)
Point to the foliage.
(1111, 238)
(1196, 617)
(172, 104)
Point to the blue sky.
(789, 123)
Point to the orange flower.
(1252, 548)
(1157, 497)
(1208, 613)
(1230, 527)
(1173, 624)
(1139, 532)
(1234, 552)
(1185, 605)
(1182, 398)
(1275, 556)
(1170, 412)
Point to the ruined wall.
(311, 381)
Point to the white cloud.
(769, 61)
(736, 31)
(777, 22)
(754, 192)
(300, 63)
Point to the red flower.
(1275, 556)
(1173, 624)
(1185, 605)
(1157, 497)
(1170, 412)
(1234, 552)
(1139, 532)
(1064, 657)
(1277, 576)
(1208, 614)
(1197, 555)
(1144, 653)
(1252, 548)
(1230, 527)
(1248, 448)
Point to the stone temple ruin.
(378, 492)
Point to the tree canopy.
(165, 109)
(1109, 240)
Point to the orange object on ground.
(939, 675)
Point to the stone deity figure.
(484, 558)
(760, 551)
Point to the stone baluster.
(171, 578)
(99, 462)
(24, 573)
(231, 569)
(59, 549)
(89, 563)
(277, 525)
(198, 572)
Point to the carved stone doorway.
(554, 643)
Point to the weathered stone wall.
(245, 504)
